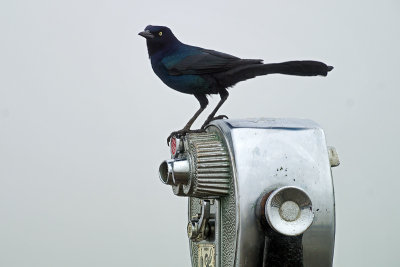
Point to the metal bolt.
(289, 211)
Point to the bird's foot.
(183, 132)
(220, 117)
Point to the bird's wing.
(207, 61)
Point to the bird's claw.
(183, 132)
(219, 117)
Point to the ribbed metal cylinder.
(211, 169)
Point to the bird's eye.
(160, 33)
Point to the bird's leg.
(224, 95)
(203, 104)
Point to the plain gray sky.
(83, 121)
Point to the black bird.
(198, 71)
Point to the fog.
(84, 121)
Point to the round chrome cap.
(288, 210)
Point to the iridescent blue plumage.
(188, 84)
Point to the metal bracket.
(198, 228)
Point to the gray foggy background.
(84, 121)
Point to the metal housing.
(267, 154)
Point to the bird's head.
(158, 38)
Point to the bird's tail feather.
(298, 68)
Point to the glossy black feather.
(209, 61)
(298, 68)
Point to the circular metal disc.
(289, 210)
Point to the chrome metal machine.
(260, 193)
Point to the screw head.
(289, 211)
(192, 230)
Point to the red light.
(173, 146)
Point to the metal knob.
(288, 210)
(200, 166)
(174, 171)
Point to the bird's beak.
(146, 34)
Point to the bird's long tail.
(298, 68)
